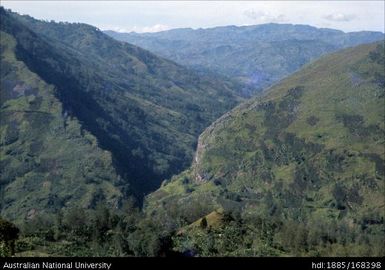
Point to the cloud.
(156, 28)
(141, 29)
(117, 29)
(264, 17)
(340, 17)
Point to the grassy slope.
(312, 148)
(47, 160)
(145, 110)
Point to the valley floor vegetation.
(101, 232)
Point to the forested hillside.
(107, 149)
(144, 111)
(48, 161)
(299, 171)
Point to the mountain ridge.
(250, 26)
(258, 55)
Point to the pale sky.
(152, 16)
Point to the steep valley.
(143, 113)
(262, 140)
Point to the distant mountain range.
(257, 55)
(86, 118)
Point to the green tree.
(203, 223)
(8, 234)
